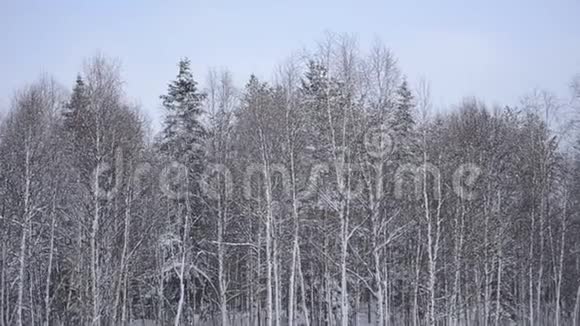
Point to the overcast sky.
(496, 49)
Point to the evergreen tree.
(183, 133)
(79, 125)
(182, 140)
(323, 99)
(78, 103)
(403, 124)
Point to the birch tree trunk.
(275, 267)
(498, 289)
(47, 297)
(530, 272)
(499, 243)
(269, 253)
(182, 268)
(122, 270)
(486, 265)
(563, 229)
(221, 275)
(416, 320)
(94, 232)
(576, 307)
(25, 228)
(3, 284)
(433, 235)
(296, 221)
(459, 238)
(539, 314)
(303, 291)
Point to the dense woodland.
(333, 194)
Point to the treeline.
(330, 196)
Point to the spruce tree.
(183, 133)
(79, 125)
(403, 124)
(182, 141)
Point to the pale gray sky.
(496, 50)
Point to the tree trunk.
(269, 254)
(23, 239)
(303, 290)
(3, 284)
(122, 269)
(416, 320)
(563, 227)
(94, 234)
(221, 275)
(184, 250)
(277, 295)
(49, 269)
(498, 290)
(576, 307)
(291, 289)
(343, 280)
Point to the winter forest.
(334, 193)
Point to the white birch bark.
(47, 298)
(25, 229)
(182, 267)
